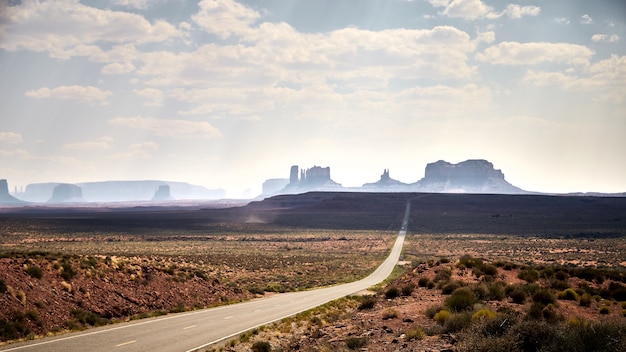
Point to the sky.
(226, 94)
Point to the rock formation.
(66, 193)
(316, 178)
(162, 193)
(386, 184)
(470, 176)
(5, 197)
(273, 186)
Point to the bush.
(34, 272)
(89, 318)
(354, 343)
(458, 322)
(423, 282)
(568, 294)
(442, 316)
(367, 302)
(544, 297)
(261, 346)
(390, 313)
(3, 286)
(528, 275)
(518, 296)
(415, 333)
(604, 310)
(483, 314)
(68, 272)
(489, 269)
(585, 300)
(392, 292)
(450, 287)
(443, 274)
(432, 310)
(461, 299)
(407, 289)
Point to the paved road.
(192, 331)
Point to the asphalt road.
(193, 331)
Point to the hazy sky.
(226, 94)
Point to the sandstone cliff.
(5, 197)
(66, 193)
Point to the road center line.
(228, 317)
(189, 327)
(125, 343)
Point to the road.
(193, 331)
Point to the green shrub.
(261, 346)
(415, 333)
(407, 289)
(367, 302)
(432, 310)
(561, 275)
(458, 322)
(34, 272)
(604, 310)
(390, 313)
(392, 292)
(528, 275)
(450, 286)
(585, 300)
(68, 272)
(518, 296)
(484, 313)
(568, 294)
(461, 299)
(544, 297)
(422, 282)
(354, 343)
(89, 318)
(489, 269)
(442, 316)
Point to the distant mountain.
(123, 191)
(386, 184)
(470, 176)
(66, 193)
(5, 197)
(316, 178)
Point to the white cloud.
(475, 9)
(168, 127)
(98, 144)
(135, 4)
(225, 18)
(56, 26)
(605, 38)
(586, 19)
(513, 53)
(10, 137)
(562, 20)
(143, 150)
(152, 96)
(80, 93)
(117, 68)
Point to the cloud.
(56, 26)
(152, 96)
(561, 20)
(586, 19)
(514, 53)
(98, 144)
(143, 150)
(475, 9)
(135, 4)
(225, 18)
(605, 38)
(10, 137)
(168, 127)
(88, 94)
(117, 68)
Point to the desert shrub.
(568, 294)
(3, 286)
(392, 292)
(489, 269)
(528, 275)
(461, 299)
(617, 291)
(597, 336)
(34, 272)
(274, 287)
(390, 313)
(442, 316)
(21, 296)
(423, 282)
(68, 272)
(457, 322)
(585, 300)
(432, 310)
(484, 313)
(354, 343)
(256, 290)
(559, 284)
(442, 274)
(449, 287)
(261, 346)
(490, 291)
(468, 261)
(89, 318)
(604, 310)
(536, 335)
(201, 274)
(415, 333)
(444, 260)
(367, 302)
(546, 273)
(561, 275)
(550, 315)
(517, 295)
(407, 289)
(544, 297)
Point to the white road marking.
(189, 327)
(126, 343)
(229, 317)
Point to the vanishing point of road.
(193, 331)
